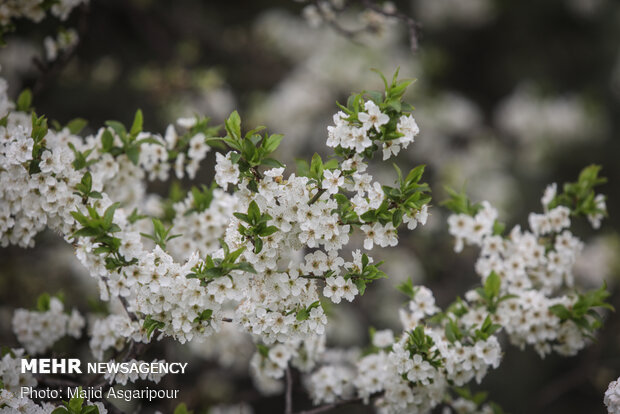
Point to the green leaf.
(268, 231)
(76, 403)
(118, 128)
(24, 100)
(182, 409)
(86, 182)
(560, 311)
(459, 203)
(331, 164)
(272, 162)
(107, 140)
(492, 285)
(136, 127)
(407, 288)
(133, 153)
(108, 215)
(43, 302)
(91, 409)
(258, 245)
(150, 325)
(498, 228)
(233, 125)
(316, 167)
(245, 266)
(253, 212)
(271, 144)
(263, 350)
(76, 125)
(303, 168)
(303, 314)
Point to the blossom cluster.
(65, 40)
(612, 397)
(261, 260)
(35, 10)
(266, 256)
(521, 274)
(38, 330)
(412, 372)
(335, 12)
(533, 266)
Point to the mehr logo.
(51, 366)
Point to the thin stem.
(312, 277)
(412, 25)
(289, 392)
(316, 196)
(256, 173)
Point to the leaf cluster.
(256, 226)
(150, 325)
(201, 198)
(39, 131)
(490, 292)
(459, 203)
(583, 312)
(129, 139)
(409, 197)
(252, 149)
(213, 268)
(84, 188)
(76, 406)
(304, 313)
(160, 234)
(580, 196)
(366, 275)
(389, 102)
(101, 229)
(420, 343)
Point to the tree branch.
(412, 25)
(289, 392)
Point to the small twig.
(316, 196)
(412, 25)
(124, 302)
(289, 392)
(348, 33)
(131, 315)
(312, 277)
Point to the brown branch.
(289, 392)
(312, 277)
(316, 196)
(348, 33)
(412, 25)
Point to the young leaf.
(136, 127)
(24, 100)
